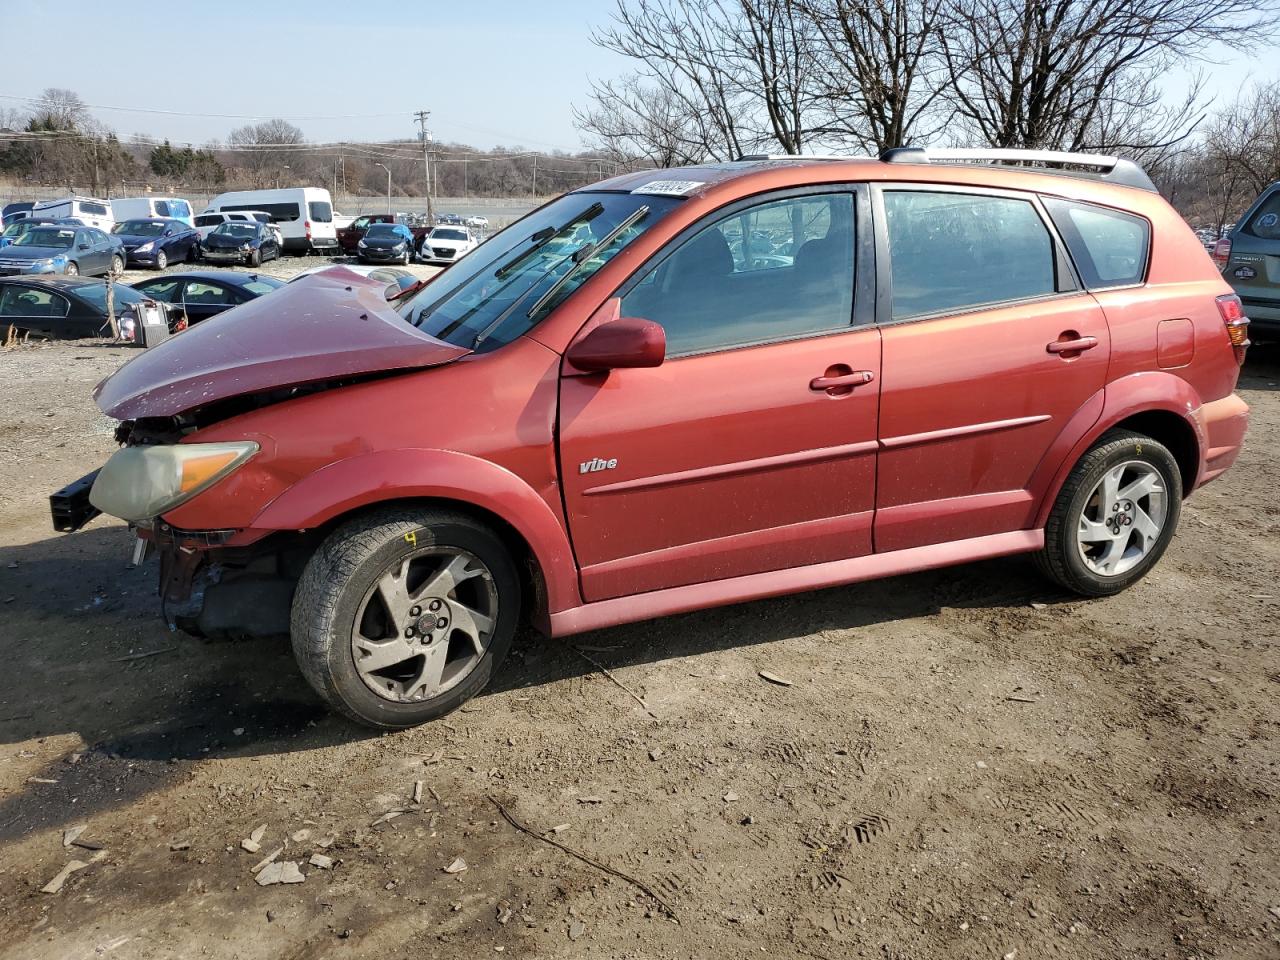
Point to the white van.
(88, 210)
(303, 214)
(142, 208)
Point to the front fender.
(386, 475)
(1136, 393)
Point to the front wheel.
(1114, 516)
(71, 269)
(117, 266)
(162, 260)
(402, 615)
(255, 258)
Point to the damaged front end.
(322, 333)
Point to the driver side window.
(774, 271)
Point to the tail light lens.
(307, 226)
(1222, 252)
(1232, 311)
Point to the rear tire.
(340, 603)
(1095, 528)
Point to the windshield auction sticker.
(674, 188)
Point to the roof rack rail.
(1096, 166)
(747, 157)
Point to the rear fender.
(386, 475)
(1143, 392)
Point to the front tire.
(162, 260)
(1114, 517)
(255, 258)
(117, 266)
(72, 269)
(402, 615)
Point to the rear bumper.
(1225, 422)
(1264, 316)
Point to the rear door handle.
(1077, 345)
(855, 379)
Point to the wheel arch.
(441, 479)
(1160, 405)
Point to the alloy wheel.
(425, 624)
(1122, 518)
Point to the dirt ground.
(966, 763)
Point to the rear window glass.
(1109, 248)
(280, 212)
(97, 209)
(208, 220)
(951, 252)
(321, 212)
(162, 208)
(1265, 222)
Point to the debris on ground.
(280, 871)
(267, 860)
(775, 679)
(458, 866)
(321, 861)
(71, 834)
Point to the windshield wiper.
(585, 253)
(545, 236)
(539, 240)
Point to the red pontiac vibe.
(676, 389)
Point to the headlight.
(362, 244)
(146, 247)
(139, 483)
(246, 247)
(398, 246)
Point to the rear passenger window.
(1265, 222)
(1109, 247)
(951, 252)
(770, 272)
(94, 209)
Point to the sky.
(491, 72)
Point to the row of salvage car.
(71, 307)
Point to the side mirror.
(618, 344)
(83, 246)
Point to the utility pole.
(421, 116)
(535, 175)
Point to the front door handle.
(1072, 342)
(842, 383)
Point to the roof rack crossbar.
(1101, 166)
(750, 157)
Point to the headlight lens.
(146, 247)
(361, 244)
(140, 483)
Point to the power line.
(212, 116)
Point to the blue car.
(157, 241)
(65, 249)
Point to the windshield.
(16, 229)
(448, 234)
(244, 231)
(487, 297)
(96, 294)
(47, 237)
(140, 228)
(382, 230)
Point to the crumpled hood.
(323, 327)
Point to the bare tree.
(882, 77)
(715, 79)
(60, 109)
(265, 149)
(1052, 73)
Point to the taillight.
(1232, 311)
(307, 225)
(1222, 252)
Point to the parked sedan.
(200, 294)
(64, 307)
(250, 243)
(157, 241)
(447, 244)
(386, 243)
(63, 248)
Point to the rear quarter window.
(1110, 248)
(1265, 222)
(96, 209)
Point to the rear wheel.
(1114, 517)
(402, 616)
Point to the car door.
(990, 347)
(753, 446)
(202, 299)
(33, 309)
